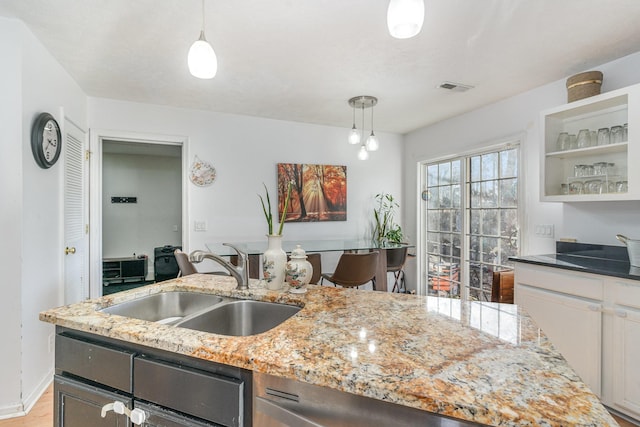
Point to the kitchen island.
(484, 363)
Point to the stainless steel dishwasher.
(279, 402)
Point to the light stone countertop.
(482, 362)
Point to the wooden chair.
(395, 264)
(502, 287)
(354, 270)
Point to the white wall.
(245, 151)
(32, 211)
(129, 228)
(10, 215)
(596, 222)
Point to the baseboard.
(29, 402)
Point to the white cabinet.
(623, 391)
(572, 322)
(594, 321)
(607, 110)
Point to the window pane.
(434, 198)
(455, 172)
(433, 220)
(509, 163)
(509, 193)
(455, 196)
(490, 222)
(507, 249)
(489, 249)
(432, 175)
(455, 247)
(445, 173)
(445, 220)
(474, 248)
(508, 222)
(489, 194)
(475, 195)
(475, 221)
(475, 168)
(456, 218)
(489, 166)
(445, 197)
(433, 242)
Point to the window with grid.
(471, 222)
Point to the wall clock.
(46, 140)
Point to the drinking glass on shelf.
(582, 140)
(578, 171)
(616, 134)
(622, 187)
(575, 187)
(564, 188)
(573, 144)
(588, 170)
(593, 138)
(603, 136)
(593, 186)
(563, 141)
(625, 132)
(600, 168)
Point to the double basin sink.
(206, 312)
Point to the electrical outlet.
(175, 228)
(199, 225)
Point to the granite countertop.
(481, 362)
(587, 258)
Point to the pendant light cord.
(202, 15)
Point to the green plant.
(385, 227)
(267, 209)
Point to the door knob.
(69, 250)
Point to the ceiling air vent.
(455, 87)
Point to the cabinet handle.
(621, 313)
(116, 406)
(69, 250)
(594, 307)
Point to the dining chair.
(354, 270)
(186, 267)
(396, 259)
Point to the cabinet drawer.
(627, 293)
(95, 362)
(191, 391)
(557, 280)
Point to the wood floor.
(42, 414)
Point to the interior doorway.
(138, 202)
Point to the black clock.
(46, 140)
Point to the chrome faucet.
(239, 272)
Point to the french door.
(469, 226)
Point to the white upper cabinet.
(594, 160)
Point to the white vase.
(274, 261)
(299, 270)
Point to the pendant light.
(202, 60)
(405, 18)
(354, 136)
(372, 142)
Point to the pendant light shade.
(372, 142)
(405, 18)
(363, 154)
(202, 60)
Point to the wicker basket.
(583, 85)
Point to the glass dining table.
(255, 249)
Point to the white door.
(76, 214)
(626, 353)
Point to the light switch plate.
(200, 226)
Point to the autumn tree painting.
(318, 192)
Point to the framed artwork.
(318, 192)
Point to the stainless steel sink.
(164, 307)
(240, 318)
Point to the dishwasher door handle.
(282, 414)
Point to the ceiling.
(301, 60)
